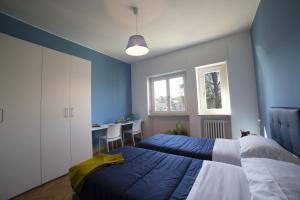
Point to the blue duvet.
(145, 174)
(200, 148)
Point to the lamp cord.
(135, 11)
(136, 24)
(136, 29)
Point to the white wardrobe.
(45, 114)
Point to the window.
(213, 91)
(167, 94)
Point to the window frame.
(151, 99)
(220, 67)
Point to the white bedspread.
(227, 151)
(218, 181)
(272, 179)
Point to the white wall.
(235, 49)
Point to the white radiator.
(215, 128)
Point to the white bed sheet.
(220, 181)
(257, 179)
(227, 151)
(272, 179)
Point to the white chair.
(136, 129)
(113, 134)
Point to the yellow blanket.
(79, 172)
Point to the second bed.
(220, 150)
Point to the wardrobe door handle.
(71, 112)
(2, 115)
(66, 112)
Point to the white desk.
(104, 126)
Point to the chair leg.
(99, 147)
(133, 142)
(107, 146)
(142, 136)
(122, 142)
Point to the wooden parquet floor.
(58, 189)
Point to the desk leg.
(99, 146)
(133, 142)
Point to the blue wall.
(111, 78)
(276, 45)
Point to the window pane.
(177, 94)
(213, 90)
(160, 95)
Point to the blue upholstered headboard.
(285, 128)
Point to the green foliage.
(213, 90)
(180, 130)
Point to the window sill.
(168, 115)
(208, 115)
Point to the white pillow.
(260, 147)
(272, 179)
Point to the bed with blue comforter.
(200, 148)
(145, 174)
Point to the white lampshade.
(136, 46)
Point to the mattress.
(145, 174)
(200, 148)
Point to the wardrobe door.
(80, 107)
(55, 124)
(20, 98)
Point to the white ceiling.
(105, 25)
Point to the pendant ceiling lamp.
(136, 44)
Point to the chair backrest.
(113, 131)
(137, 125)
